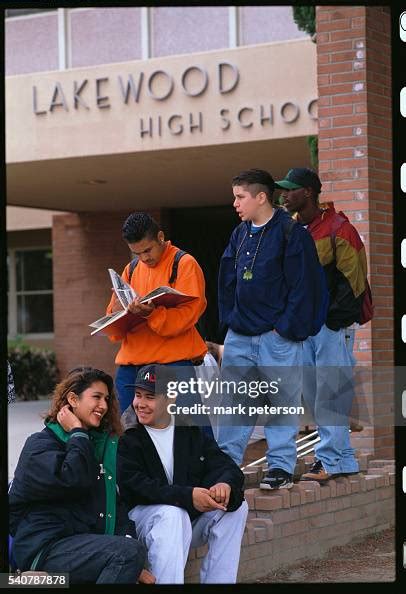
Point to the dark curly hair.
(138, 226)
(78, 380)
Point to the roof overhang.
(164, 132)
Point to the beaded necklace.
(248, 274)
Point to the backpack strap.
(133, 264)
(174, 274)
(179, 254)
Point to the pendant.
(247, 275)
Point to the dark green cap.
(300, 177)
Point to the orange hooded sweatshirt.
(168, 334)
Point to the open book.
(122, 321)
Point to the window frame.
(13, 294)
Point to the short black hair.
(138, 226)
(258, 177)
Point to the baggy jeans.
(328, 393)
(267, 353)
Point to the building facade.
(180, 89)
(112, 110)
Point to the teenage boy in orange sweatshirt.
(168, 335)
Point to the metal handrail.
(302, 454)
(305, 445)
(307, 436)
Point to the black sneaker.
(277, 479)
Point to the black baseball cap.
(300, 177)
(146, 378)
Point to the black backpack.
(179, 254)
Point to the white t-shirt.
(256, 227)
(163, 442)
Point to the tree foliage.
(305, 18)
(313, 142)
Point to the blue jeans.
(328, 392)
(126, 374)
(265, 355)
(96, 559)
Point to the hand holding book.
(130, 310)
(142, 309)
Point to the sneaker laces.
(316, 466)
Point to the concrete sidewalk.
(24, 418)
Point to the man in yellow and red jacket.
(327, 356)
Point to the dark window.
(34, 291)
(34, 270)
(11, 12)
(34, 314)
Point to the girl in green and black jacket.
(65, 513)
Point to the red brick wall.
(84, 246)
(355, 154)
(291, 526)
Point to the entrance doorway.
(204, 233)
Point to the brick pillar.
(355, 166)
(84, 246)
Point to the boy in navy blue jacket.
(272, 296)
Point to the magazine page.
(161, 291)
(115, 323)
(106, 319)
(125, 293)
(123, 321)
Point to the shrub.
(35, 371)
(305, 18)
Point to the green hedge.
(35, 371)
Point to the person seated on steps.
(65, 512)
(182, 489)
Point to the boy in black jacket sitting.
(183, 490)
